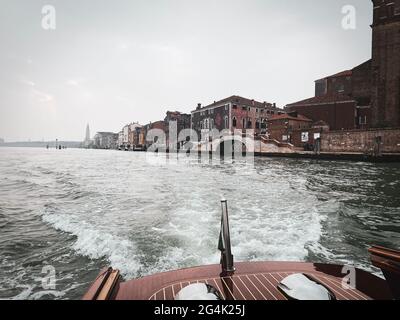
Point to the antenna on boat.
(224, 244)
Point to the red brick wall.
(337, 83)
(296, 137)
(360, 140)
(277, 129)
(361, 80)
(339, 116)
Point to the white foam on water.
(97, 244)
(263, 225)
(24, 294)
(275, 237)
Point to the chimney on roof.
(274, 105)
(252, 102)
(198, 106)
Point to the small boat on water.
(256, 280)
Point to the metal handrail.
(224, 245)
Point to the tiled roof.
(241, 101)
(299, 117)
(325, 99)
(346, 73)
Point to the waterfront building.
(125, 137)
(232, 113)
(295, 129)
(141, 138)
(367, 96)
(178, 121)
(342, 100)
(133, 135)
(106, 140)
(120, 139)
(158, 136)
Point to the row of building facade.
(367, 96)
(232, 113)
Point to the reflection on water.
(81, 210)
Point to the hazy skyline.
(113, 62)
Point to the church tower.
(385, 104)
(87, 137)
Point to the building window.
(249, 124)
(244, 108)
(212, 124)
(234, 107)
(226, 107)
(226, 122)
(264, 124)
(234, 122)
(362, 120)
(244, 123)
(257, 124)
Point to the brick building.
(368, 95)
(386, 64)
(233, 113)
(133, 135)
(342, 100)
(291, 128)
(177, 121)
(156, 137)
(337, 83)
(338, 110)
(182, 119)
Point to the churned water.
(81, 210)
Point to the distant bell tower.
(87, 136)
(87, 133)
(385, 104)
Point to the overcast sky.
(113, 62)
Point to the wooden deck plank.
(246, 290)
(269, 289)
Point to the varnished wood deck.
(262, 286)
(252, 281)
